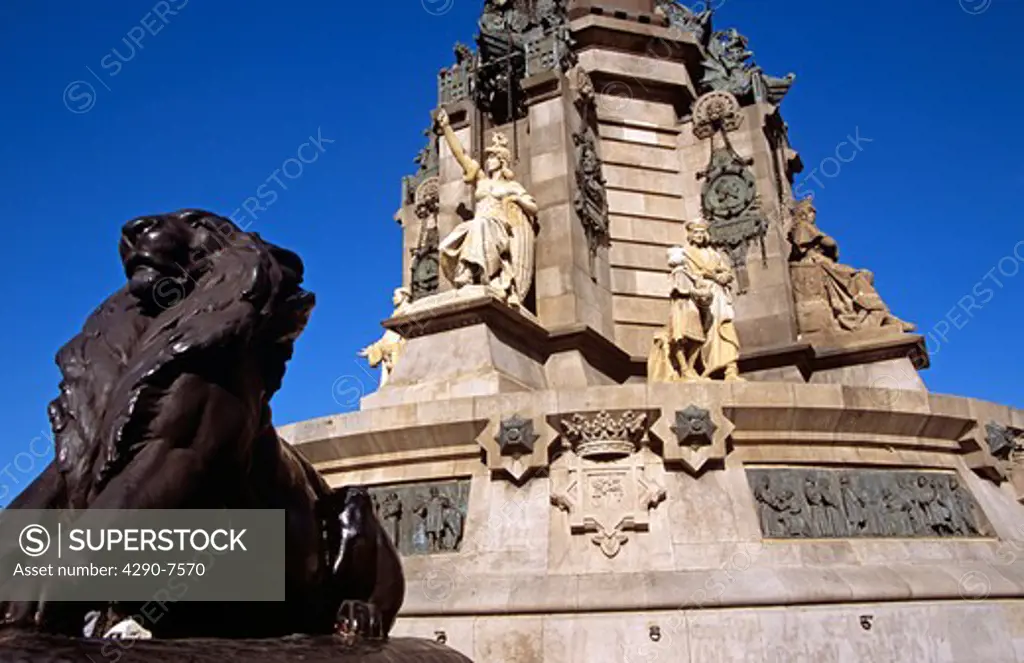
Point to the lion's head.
(171, 249)
(198, 287)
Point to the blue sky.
(209, 109)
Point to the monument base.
(733, 522)
(468, 342)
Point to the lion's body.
(165, 405)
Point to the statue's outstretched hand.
(442, 119)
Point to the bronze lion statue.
(165, 404)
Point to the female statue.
(496, 246)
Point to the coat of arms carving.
(601, 481)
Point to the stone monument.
(700, 340)
(206, 322)
(727, 455)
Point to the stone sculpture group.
(809, 503)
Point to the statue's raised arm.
(470, 167)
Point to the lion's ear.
(263, 279)
(330, 505)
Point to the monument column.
(573, 276)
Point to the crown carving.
(604, 436)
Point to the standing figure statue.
(386, 351)
(700, 341)
(496, 246)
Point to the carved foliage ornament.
(602, 484)
(582, 87)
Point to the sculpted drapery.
(496, 246)
(851, 292)
(700, 340)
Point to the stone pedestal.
(731, 522)
(467, 342)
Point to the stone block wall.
(651, 160)
(700, 580)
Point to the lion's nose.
(138, 227)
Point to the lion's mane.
(243, 294)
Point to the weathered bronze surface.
(1002, 441)
(423, 518)
(321, 649)
(206, 323)
(822, 504)
(693, 427)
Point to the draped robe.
(702, 309)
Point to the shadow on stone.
(41, 648)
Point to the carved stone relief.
(516, 437)
(516, 39)
(714, 112)
(1005, 445)
(825, 504)
(516, 446)
(423, 518)
(428, 162)
(425, 266)
(694, 428)
(729, 199)
(591, 198)
(601, 480)
(690, 437)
